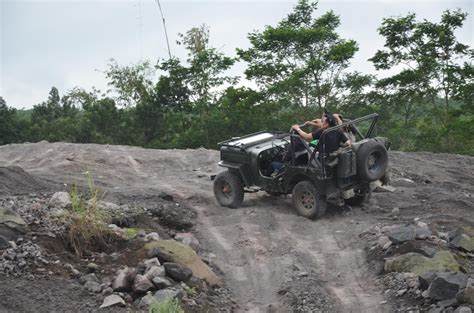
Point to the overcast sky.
(68, 43)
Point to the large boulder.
(416, 246)
(446, 286)
(463, 242)
(442, 261)
(178, 272)
(124, 279)
(184, 255)
(409, 232)
(11, 225)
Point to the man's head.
(328, 120)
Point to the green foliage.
(167, 306)
(300, 65)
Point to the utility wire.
(164, 26)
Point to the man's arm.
(306, 136)
(316, 123)
(346, 141)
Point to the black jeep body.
(312, 179)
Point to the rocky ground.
(408, 249)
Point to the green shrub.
(168, 306)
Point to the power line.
(164, 26)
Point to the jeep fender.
(242, 169)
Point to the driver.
(330, 141)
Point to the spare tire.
(372, 161)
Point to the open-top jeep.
(313, 180)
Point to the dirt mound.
(257, 246)
(14, 180)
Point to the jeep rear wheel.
(372, 161)
(307, 201)
(228, 189)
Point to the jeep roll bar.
(373, 116)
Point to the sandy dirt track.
(265, 251)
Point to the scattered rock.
(447, 303)
(93, 286)
(159, 254)
(141, 284)
(165, 196)
(155, 271)
(151, 262)
(463, 309)
(161, 282)
(384, 188)
(189, 239)
(88, 277)
(467, 295)
(168, 293)
(112, 300)
(458, 231)
(109, 206)
(60, 200)
(442, 261)
(4, 243)
(107, 291)
(92, 267)
(11, 224)
(145, 301)
(383, 240)
(152, 236)
(124, 280)
(178, 272)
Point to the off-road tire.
(229, 189)
(372, 161)
(307, 201)
(360, 197)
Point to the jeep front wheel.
(307, 201)
(228, 189)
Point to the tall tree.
(433, 62)
(8, 131)
(302, 59)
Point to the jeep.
(313, 180)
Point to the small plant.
(190, 291)
(131, 233)
(85, 222)
(167, 306)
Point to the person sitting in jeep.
(330, 141)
